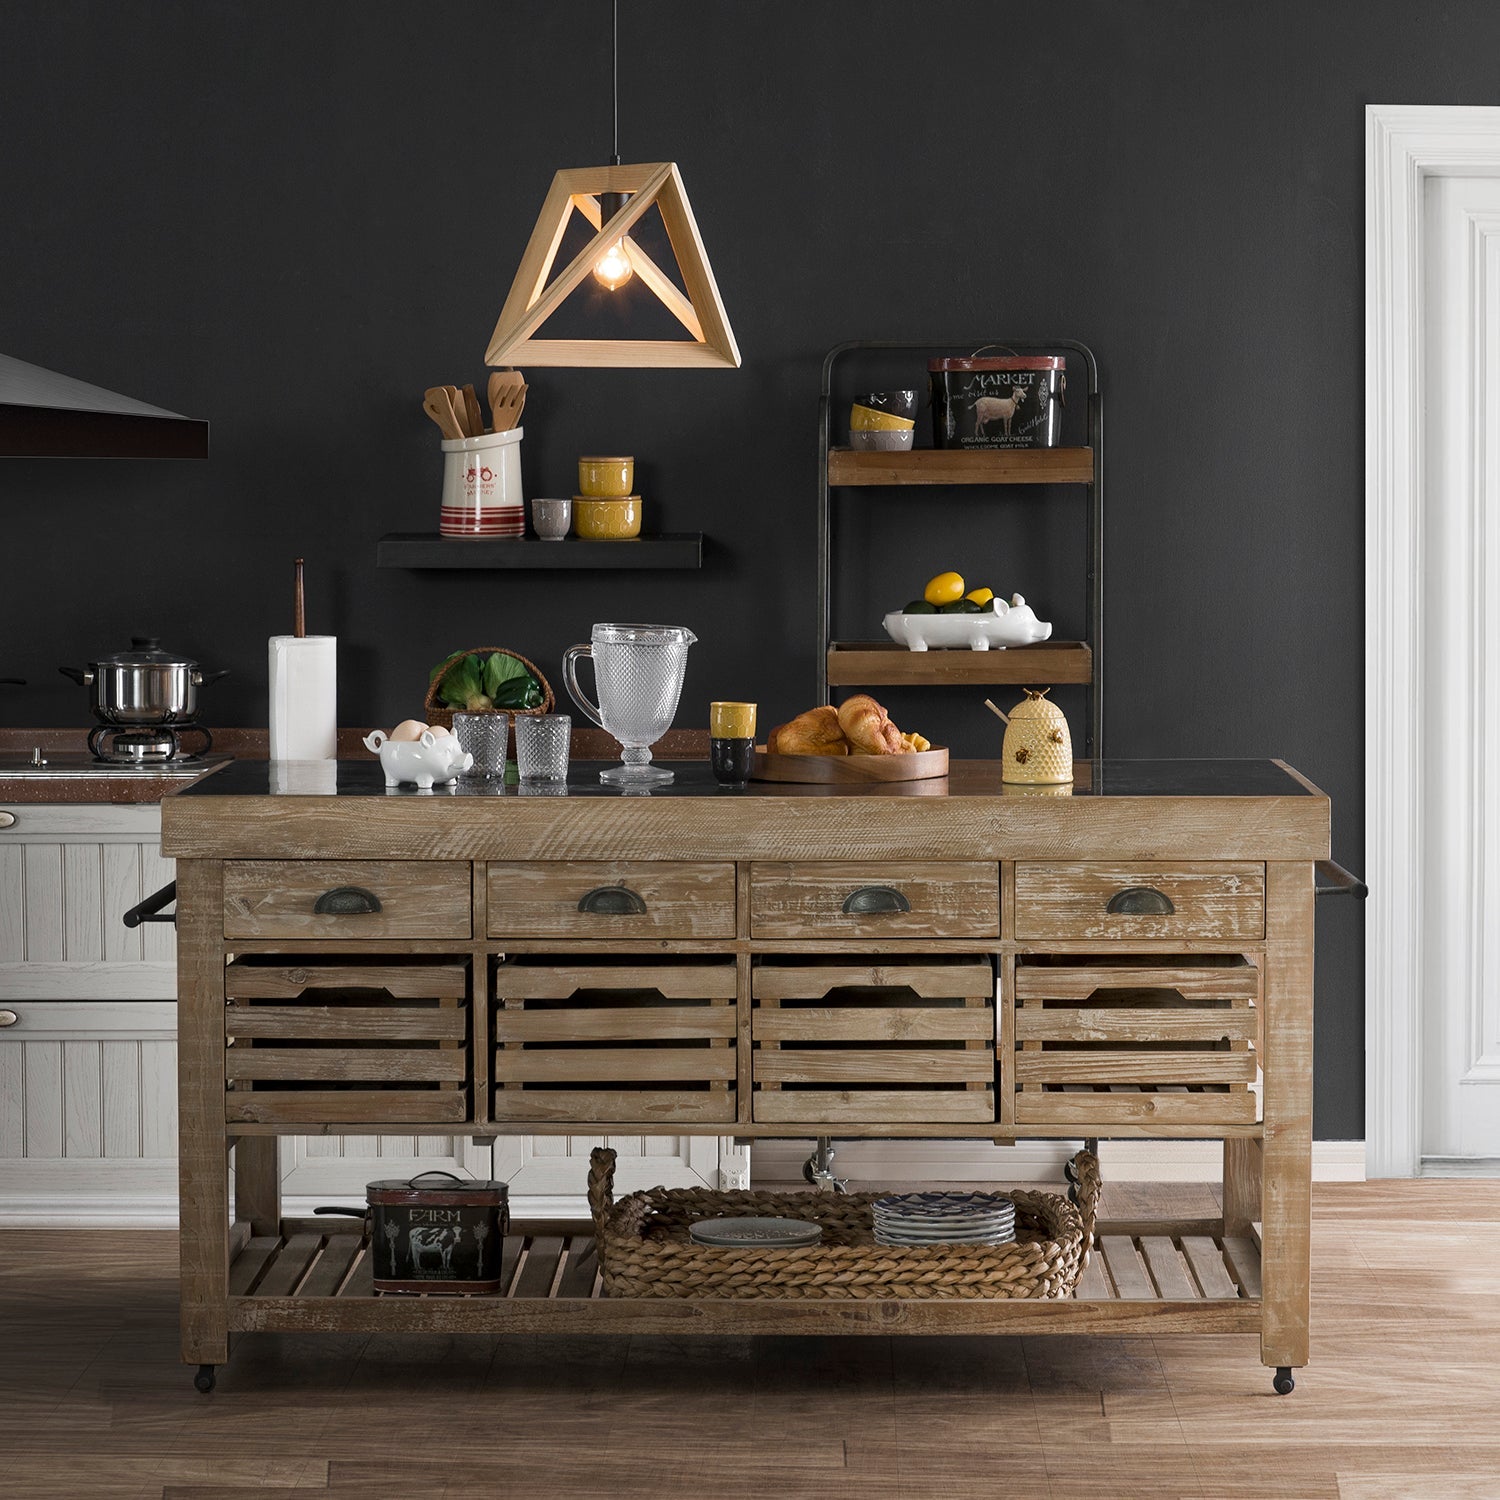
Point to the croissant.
(868, 727)
(816, 732)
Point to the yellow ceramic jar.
(606, 478)
(598, 520)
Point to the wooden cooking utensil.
(460, 411)
(473, 412)
(437, 406)
(299, 603)
(507, 393)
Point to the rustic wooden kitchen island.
(1129, 957)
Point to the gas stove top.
(74, 765)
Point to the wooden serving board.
(920, 765)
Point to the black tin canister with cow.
(435, 1232)
(997, 400)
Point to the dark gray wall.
(292, 217)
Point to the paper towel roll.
(304, 778)
(304, 697)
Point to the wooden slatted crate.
(646, 1041)
(1134, 1039)
(851, 1041)
(346, 1041)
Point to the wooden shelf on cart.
(962, 466)
(317, 1276)
(885, 664)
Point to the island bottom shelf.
(1184, 1276)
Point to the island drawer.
(1141, 899)
(346, 1041)
(818, 899)
(633, 1042)
(869, 1040)
(1136, 1039)
(388, 898)
(585, 898)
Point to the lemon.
(944, 589)
(981, 597)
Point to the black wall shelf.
(425, 549)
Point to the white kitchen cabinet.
(88, 1081)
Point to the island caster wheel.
(1283, 1383)
(204, 1379)
(818, 1168)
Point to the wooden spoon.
(437, 406)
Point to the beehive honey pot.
(1038, 750)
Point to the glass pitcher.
(638, 671)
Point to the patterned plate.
(943, 1207)
(745, 1233)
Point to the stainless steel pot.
(143, 686)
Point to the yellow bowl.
(599, 520)
(606, 478)
(867, 419)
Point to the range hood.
(47, 415)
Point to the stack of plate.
(746, 1233)
(945, 1219)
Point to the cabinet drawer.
(347, 1041)
(346, 899)
(650, 1041)
(849, 1040)
(814, 899)
(1136, 1040)
(1141, 899)
(585, 898)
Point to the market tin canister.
(997, 401)
(436, 1232)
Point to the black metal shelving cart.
(878, 663)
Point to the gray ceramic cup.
(552, 519)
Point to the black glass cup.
(731, 759)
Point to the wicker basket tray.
(645, 1250)
(440, 714)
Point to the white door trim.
(1404, 145)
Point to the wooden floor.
(1403, 1399)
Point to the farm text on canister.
(997, 401)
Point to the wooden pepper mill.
(1038, 750)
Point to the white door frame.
(1404, 145)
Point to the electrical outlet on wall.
(734, 1167)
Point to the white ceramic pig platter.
(428, 761)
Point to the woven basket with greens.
(486, 679)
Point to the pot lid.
(145, 651)
(1036, 706)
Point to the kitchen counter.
(1128, 957)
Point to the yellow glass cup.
(731, 721)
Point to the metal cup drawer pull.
(874, 900)
(1140, 901)
(347, 901)
(8, 1018)
(612, 901)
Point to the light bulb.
(613, 269)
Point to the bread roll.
(816, 732)
(868, 727)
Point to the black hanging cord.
(614, 159)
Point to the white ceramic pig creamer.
(427, 761)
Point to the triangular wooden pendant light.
(532, 300)
(612, 199)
